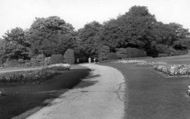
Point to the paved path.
(98, 97)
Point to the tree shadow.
(87, 82)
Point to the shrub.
(39, 60)
(103, 53)
(112, 56)
(69, 56)
(56, 58)
(130, 53)
(163, 49)
(11, 63)
(121, 53)
(179, 52)
(180, 45)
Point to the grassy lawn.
(22, 97)
(183, 59)
(151, 96)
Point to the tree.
(89, 39)
(51, 35)
(132, 29)
(103, 53)
(15, 45)
(69, 56)
(112, 35)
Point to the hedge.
(130, 52)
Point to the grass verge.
(152, 96)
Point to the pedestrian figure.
(94, 60)
(78, 60)
(188, 90)
(89, 60)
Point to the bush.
(179, 52)
(56, 58)
(69, 56)
(112, 56)
(121, 53)
(103, 53)
(164, 51)
(130, 52)
(11, 63)
(39, 60)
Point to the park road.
(99, 96)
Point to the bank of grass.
(152, 96)
(32, 75)
(22, 97)
(181, 59)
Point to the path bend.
(98, 97)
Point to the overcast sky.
(21, 13)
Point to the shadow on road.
(87, 82)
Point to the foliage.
(136, 29)
(14, 45)
(139, 29)
(121, 53)
(56, 58)
(103, 53)
(51, 35)
(130, 52)
(89, 38)
(38, 60)
(173, 70)
(112, 56)
(11, 63)
(69, 56)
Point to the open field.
(149, 95)
(22, 97)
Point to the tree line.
(136, 33)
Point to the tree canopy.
(135, 31)
(51, 35)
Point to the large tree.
(89, 39)
(129, 30)
(15, 45)
(112, 35)
(51, 35)
(139, 29)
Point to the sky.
(22, 13)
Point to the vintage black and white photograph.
(94, 59)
